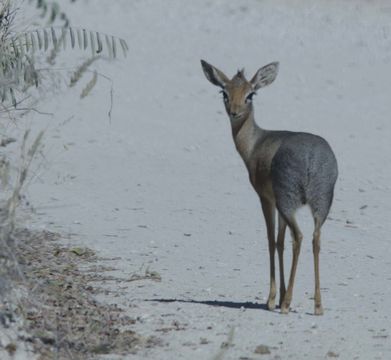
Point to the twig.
(5, 142)
(225, 345)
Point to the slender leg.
(280, 249)
(269, 214)
(316, 250)
(296, 244)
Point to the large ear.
(265, 75)
(214, 75)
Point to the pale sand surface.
(161, 184)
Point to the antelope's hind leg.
(316, 250)
(296, 245)
(280, 250)
(320, 207)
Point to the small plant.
(145, 273)
(22, 74)
(8, 261)
(19, 50)
(225, 345)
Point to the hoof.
(284, 309)
(271, 304)
(318, 310)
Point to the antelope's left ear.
(265, 75)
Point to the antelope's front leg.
(269, 214)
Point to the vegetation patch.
(61, 318)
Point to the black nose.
(234, 114)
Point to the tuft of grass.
(225, 345)
(18, 72)
(65, 321)
(8, 210)
(145, 274)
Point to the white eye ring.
(225, 96)
(249, 97)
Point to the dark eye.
(249, 97)
(225, 96)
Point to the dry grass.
(226, 345)
(45, 297)
(11, 196)
(62, 318)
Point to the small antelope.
(287, 170)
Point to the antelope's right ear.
(214, 75)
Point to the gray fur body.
(303, 171)
(291, 169)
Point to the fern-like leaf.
(39, 38)
(92, 42)
(85, 39)
(13, 98)
(114, 45)
(64, 37)
(79, 39)
(33, 42)
(51, 9)
(54, 37)
(17, 71)
(90, 85)
(54, 12)
(99, 41)
(124, 46)
(46, 39)
(109, 47)
(77, 75)
(27, 42)
(72, 35)
(21, 47)
(62, 40)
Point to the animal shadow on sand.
(226, 304)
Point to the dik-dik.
(287, 170)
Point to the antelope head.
(238, 92)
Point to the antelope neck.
(246, 134)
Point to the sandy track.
(161, 185)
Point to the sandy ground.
(160, 186)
